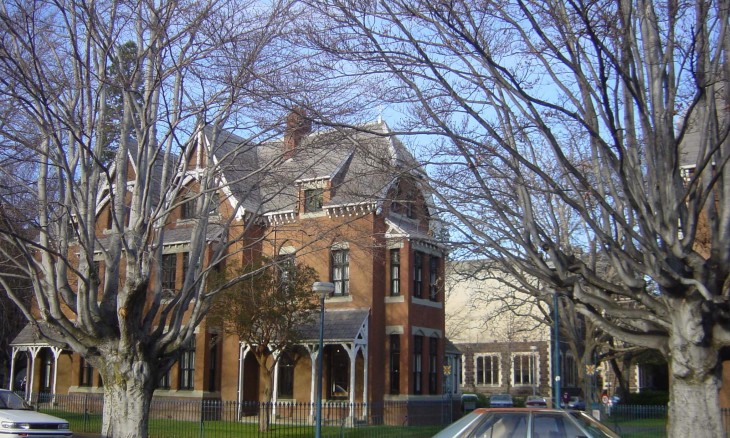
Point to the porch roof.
(29, 337)
(339, 325)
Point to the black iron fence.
(214, 418)
(408, 419)
(636, 421)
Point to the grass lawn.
(165, 428)
(638, 428)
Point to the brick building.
(351, 204)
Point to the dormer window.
(187, 210)
(405, 208)
(313, 200)
(110, 217)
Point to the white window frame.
(534, 361)
(496, 357)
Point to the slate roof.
(28, 337)
(179, 235)
(360, 165)
(692, 141)
(339, 325)
(450, 347)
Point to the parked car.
(577, 403)
(501, 401)
(527, 423)
(18, 419)
(469, 402)
(535, 401)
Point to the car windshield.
(503, 425)
(501, 398)
(10, 400)
(595, 428)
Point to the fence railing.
(215, 418)
(636, 421)
(408, 419)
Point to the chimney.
(297, 127)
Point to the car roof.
(488, 410)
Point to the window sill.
(427, 302)
(339, 299)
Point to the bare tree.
(190, 65)
(267, 312)
(615, 111)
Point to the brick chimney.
(297, 127)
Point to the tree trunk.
(126, 407)
(266, 407)
(694, 409)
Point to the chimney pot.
(297, 127)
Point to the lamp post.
(556, 351)
(324, 289)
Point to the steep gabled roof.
(156, 175)
(362, 164)
(238, 161)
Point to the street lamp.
(324, 289)
(556, 340)
(556, 355)
(533, 348)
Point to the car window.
(554, 425)
(596, 429)
(10, 400)
(503, 425)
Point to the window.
(185, 264)
(286, 266)
(524, 369)
(433, 275)
(86, 375)
(213, 363)
(46, 370)
(164, 382)
(433, 344)
(187, 366)
(169, 262)
(487, 370)
(395, 364)
(569, 374)
(110, 217)
(418, 274)
(405, 208)
(285, 384)
(214, 204)
(96, 273)
(341, 271)
(339, 381)
(403, 201)
(313, 200)
(187, 209)
(395, 272)
(417, 363)
(552, 424)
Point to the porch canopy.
(31, 340)
(347, 328)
